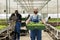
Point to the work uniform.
(35, 33)
(17, 26)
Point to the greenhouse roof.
(29, 4)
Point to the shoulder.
(40, 15)
(12, 14)
(31, 15)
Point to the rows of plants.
(3, 24)
(57, 27)
(54, 22)
(2, 27)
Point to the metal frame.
(57, 12)
(9, 29)
(23, 6)
(53, 31)
(32, 3)
(44, 5)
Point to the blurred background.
(50, 10)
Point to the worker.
(18, 24)
(35, 33)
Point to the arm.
(43, 21)
(20, 18)
(28, 21)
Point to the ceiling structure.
(53, 7)
(29, 4)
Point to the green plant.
(2, 27)
(58, 27)
(33, 25)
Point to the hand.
(44, 23)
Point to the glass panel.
(3, 21)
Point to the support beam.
(23, 7)
(45, 4)
(34, 0)
(7, 10)
(25, 4)
(21, 4)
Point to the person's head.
(35, 10)
(16, 11)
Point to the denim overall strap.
(35, 33)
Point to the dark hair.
(16, 11)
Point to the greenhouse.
(22, 24)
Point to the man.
(17, 18)
(18, 25)
(35, 18)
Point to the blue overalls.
(35, 34)
(17, 30)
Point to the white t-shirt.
(35, 16)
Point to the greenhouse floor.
(45, 36)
